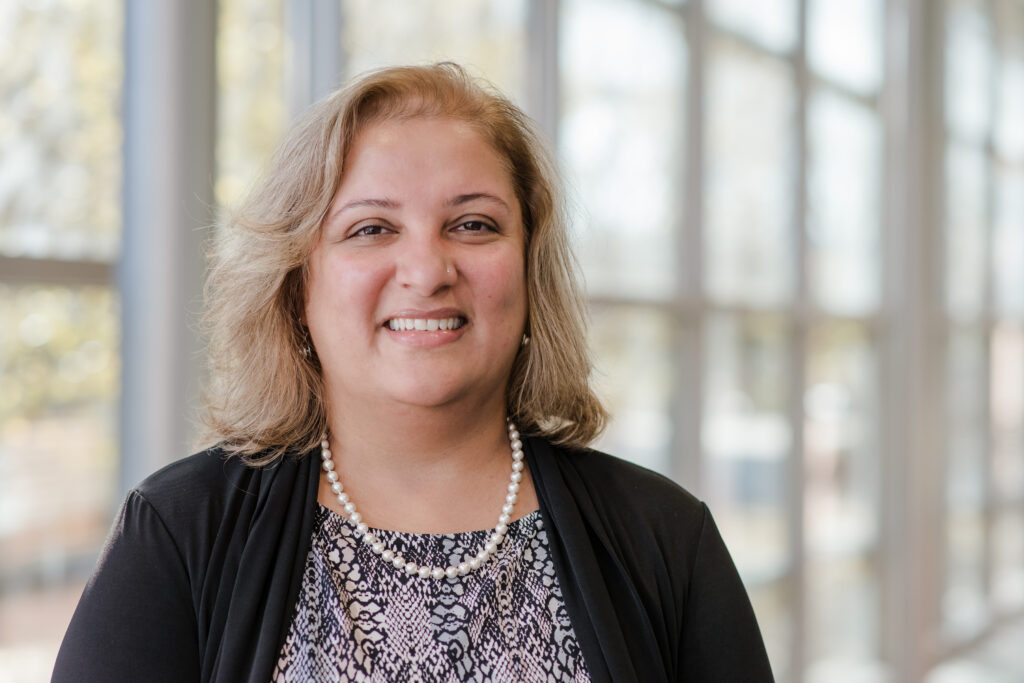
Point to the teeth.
(425, 324)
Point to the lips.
(432, 324)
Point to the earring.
(306, 351)
(525, 340)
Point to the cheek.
(340, 285)
(340, 303)
(506, 286)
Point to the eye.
(369, 231)
(475, 226)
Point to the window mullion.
(17, 270)
(542, 68)
(687, 409)
(799, 330)
(170, 88)
(314, 62)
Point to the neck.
(436, 470)
(402, 438)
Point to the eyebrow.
(385, 203)
(473, 196)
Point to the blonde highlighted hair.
(265, 396)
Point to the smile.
(425, 324)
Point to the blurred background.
(801, 224)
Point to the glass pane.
(968, 85)
(58, 389)
(746, 439)
(749, 244)
(486, 36)
(1007, 411)
(1009, 133)
(841, 500)
(60, 129)
(964, 608)
(621, 137)
(773, 607)
(843, 622)
(965, 612)
(771, 23)
(841, 440)
(251, 113)
(1008, 240)
(845, 173)
(966, 219)
(965, 373)
(1008, 561)
(845, 42)
(634, 374)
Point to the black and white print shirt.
(359, 619)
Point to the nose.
(425, 264)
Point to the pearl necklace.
(411, 568)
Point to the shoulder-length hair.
(265, 394)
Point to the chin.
(435, 394)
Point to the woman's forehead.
(424, 151)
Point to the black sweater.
(199, 578)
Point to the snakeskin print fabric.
(360, 619)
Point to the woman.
(401, 488)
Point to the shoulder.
(617, 488)
(213, 499)
(212, 485)
(622, 477)
(194, 481)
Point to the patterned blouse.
(359, 619)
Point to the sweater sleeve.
(720, 637)
(135, 620)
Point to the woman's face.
(416, 290)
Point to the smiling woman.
(425, 229)
(395, 323)
(329, 181)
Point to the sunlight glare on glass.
(770, 23)
(1008, 241)
(621, 137)
(965, 229)
(844, 42)
(844, 205)
(1009, 125)
(1009, 133)
(968, 69)
(485, 36)
(749, 243)
(60, 129)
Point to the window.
(983, 315)
(60, 220)
(801, 224)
